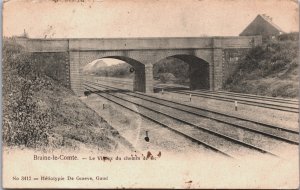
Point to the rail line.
(216, 112)
(276, 132)
(252, 96)
(165, 125)
(234, 94)
(252, 100)
(228, 138)
(241, 101)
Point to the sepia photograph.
(192, 94)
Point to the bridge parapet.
(89, 44)
(44, 45)
(237, 42)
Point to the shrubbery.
(274, 60)
(52, 65)
(171, 70)
(23, 122)
(119, 70)
(166, 77)
(270, 58)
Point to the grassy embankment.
(40, 113)
(270, 69)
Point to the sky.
(142, 18)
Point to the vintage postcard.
(150, 94)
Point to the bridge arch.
(139, 80)
(198, 70)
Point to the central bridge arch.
(198, 70)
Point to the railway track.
(245, 101)
(210, 111)
(252, 100)
(252, 96)
(278, 133)
(188, 129)
(153, 119)
(123, 81)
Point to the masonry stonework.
(142, 53)
(75, 73)
(149, 78)
(217, 70)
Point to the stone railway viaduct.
(212, 59)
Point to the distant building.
(262, 25)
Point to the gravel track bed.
(129, 82)
(249, 124)
(227, 146)
(267, 98)
(274, 117)
(270, 103)
(262, 100)
(275, 146)
(236, 133)
(133, 127)
(236, 121)
(231, 148)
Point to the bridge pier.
(216, 70)
(217, 74)
(143, 79)
(76, 78)
(149, 78)
(139, 78)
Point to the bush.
(274, 60)
(52, 64)
(121, 70)
(290, 36)
(166, 77)
(176, 67)
(270, 58)
(23, 122)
